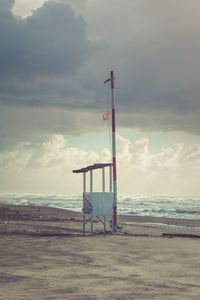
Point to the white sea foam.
(171, 207)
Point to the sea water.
(170, 207)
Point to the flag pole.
(114, 218)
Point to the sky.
(54, 58)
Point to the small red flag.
(106, 116)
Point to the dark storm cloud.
(6, 5)
(47, 61)
(154, 49)
(52, 42)
(158, 73)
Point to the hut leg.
(104, 224)
(91, 223)
(84, 191)
(83, 224)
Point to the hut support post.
(110, 174)
(103, 180)
(84, 191)
(91, 190)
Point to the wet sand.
(45, 256)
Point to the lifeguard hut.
(102, 205)
(96, 205)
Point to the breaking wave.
(170, 207)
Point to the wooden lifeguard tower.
(102, 204)
(96, 205)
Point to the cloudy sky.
(54, 57)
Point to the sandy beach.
(45, 256)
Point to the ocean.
(170, 207)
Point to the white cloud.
(47, 167)
(24, 8)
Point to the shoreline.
(40, 220)
(62, 213)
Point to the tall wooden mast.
(114, 162)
